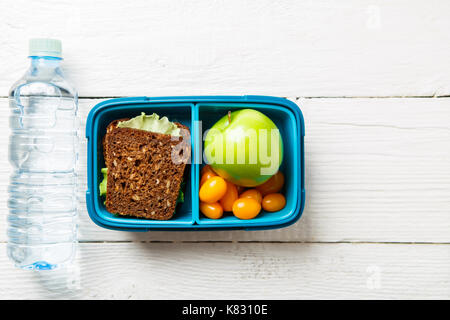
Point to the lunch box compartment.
(181, 113)
(284, 119)
(199, 114)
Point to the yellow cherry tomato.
(213, 189)
(273, 202)
(273, 185)
(211, 210)
(246, 208)
(206, 176)
(252, 193)
(230, 197)
(207, 168)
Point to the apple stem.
(229, 117)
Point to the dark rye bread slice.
(109, 128)
(145, 170)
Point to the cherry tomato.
(252, 193)
(206, 176)
(211, 210)
(273, 202)
(246, 208)
(230, 197)
(273, 185)
(207, 168)
(213, 189)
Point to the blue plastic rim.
(199, 113)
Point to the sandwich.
(145, 161)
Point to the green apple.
(244, 147)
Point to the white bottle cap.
(45, 47)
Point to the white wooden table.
(373, 81)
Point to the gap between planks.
(317, 97)
(303, 97)
(261, 242)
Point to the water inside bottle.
(43, 149)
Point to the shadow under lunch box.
(199, 113)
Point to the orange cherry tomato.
(273, 185)
(230, 197)
(206, 176)
(246, 208)
(211, 210)
(206, 168)
(273, 202)
(213, 189)
(252, 193)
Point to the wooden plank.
(377, 170)
(288, 48)
(239, 271)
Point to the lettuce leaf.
(180, 198)
(151, 123)
(104, 182)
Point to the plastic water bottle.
(43, 150)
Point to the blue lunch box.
(199, 113)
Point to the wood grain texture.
(377, 170)
(282, 48)
(239, 271)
